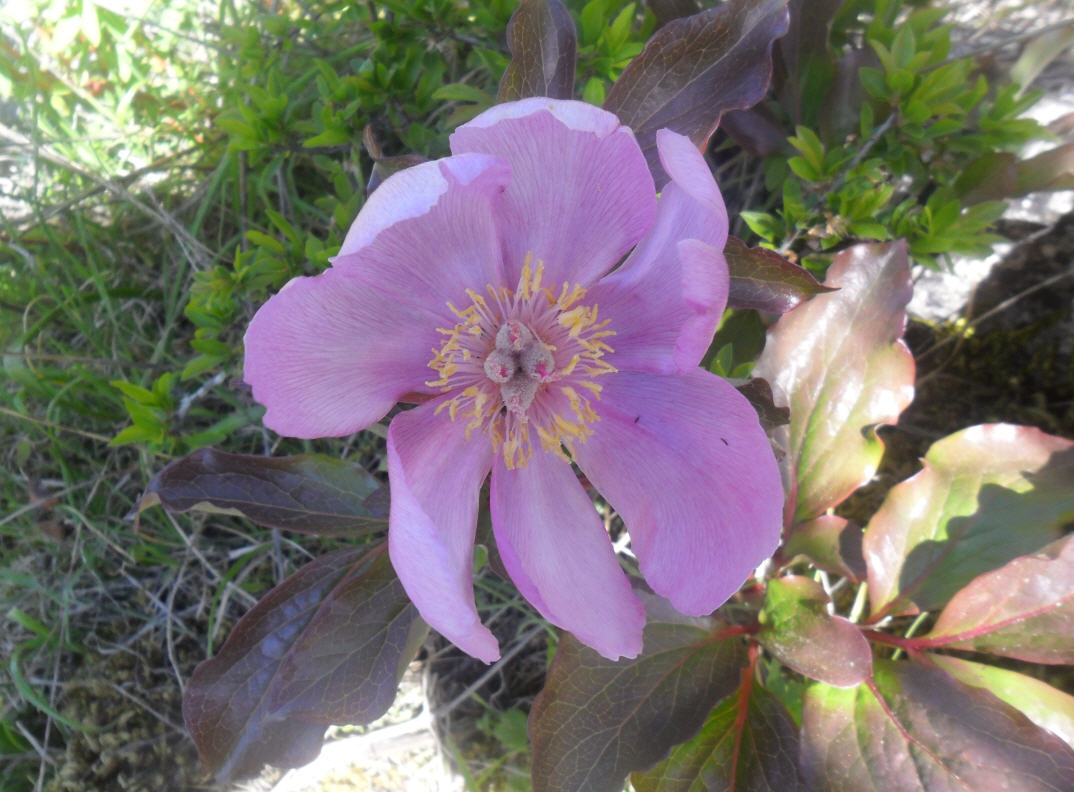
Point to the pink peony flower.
(488, 282)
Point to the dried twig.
(198, 253)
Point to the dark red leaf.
(919, 730)
(839, 363)
(693, 70)
(1050, 170)
(986, 495)
(667, 10)
(807, 38)
(799, 632)
(544, 45)
(832, 543)
(309, 493)
(840, 114)
(1049, 708)
(807, 34)
(755, 131)
(764, 280)
(597, 720)
(748, 744)
(1062, 126)
(384, 166)
(1000, 175)
(327, 645)
(1024, 609)
(989, 177)
(759, 394)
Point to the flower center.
(524, 359)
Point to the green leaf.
(883, 54)
(328, 645)
(462, 92)
(803, 169)
(597, 720)
(1024, 610)
(284, 227)
(799, 632)
(335, 136)
(763, 280)
(136, 392)
(263, 240)
(869, 230)
(874, 82)
(812, 150)
(138, 433)
(722, 364)
(143, 415)
(986, 495)
(238, 129)
(976, 218)
(592, 18)
(309, 493)
(211, 346)
(162, 388)
(919, 730)
(593, 92)
(222, 429)
(749, 742)
(694, 69)
(900, 81)
(903, 47)
(616, 35)
(838, 362)
(764, 225)
(201, 364)
(544, 46)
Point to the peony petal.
(572, 114)
(665, 302)
(429, 233)
(557, 552)
(436, 476)
(664, 315)
(686, 167)
(330, 355)
(684, 461)
(580, 194)
(695, 207)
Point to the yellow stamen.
(560, 323)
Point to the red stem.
(745, 688)
(737, 629)
(911, 646)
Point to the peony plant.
(489, 285)
(543, 303)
